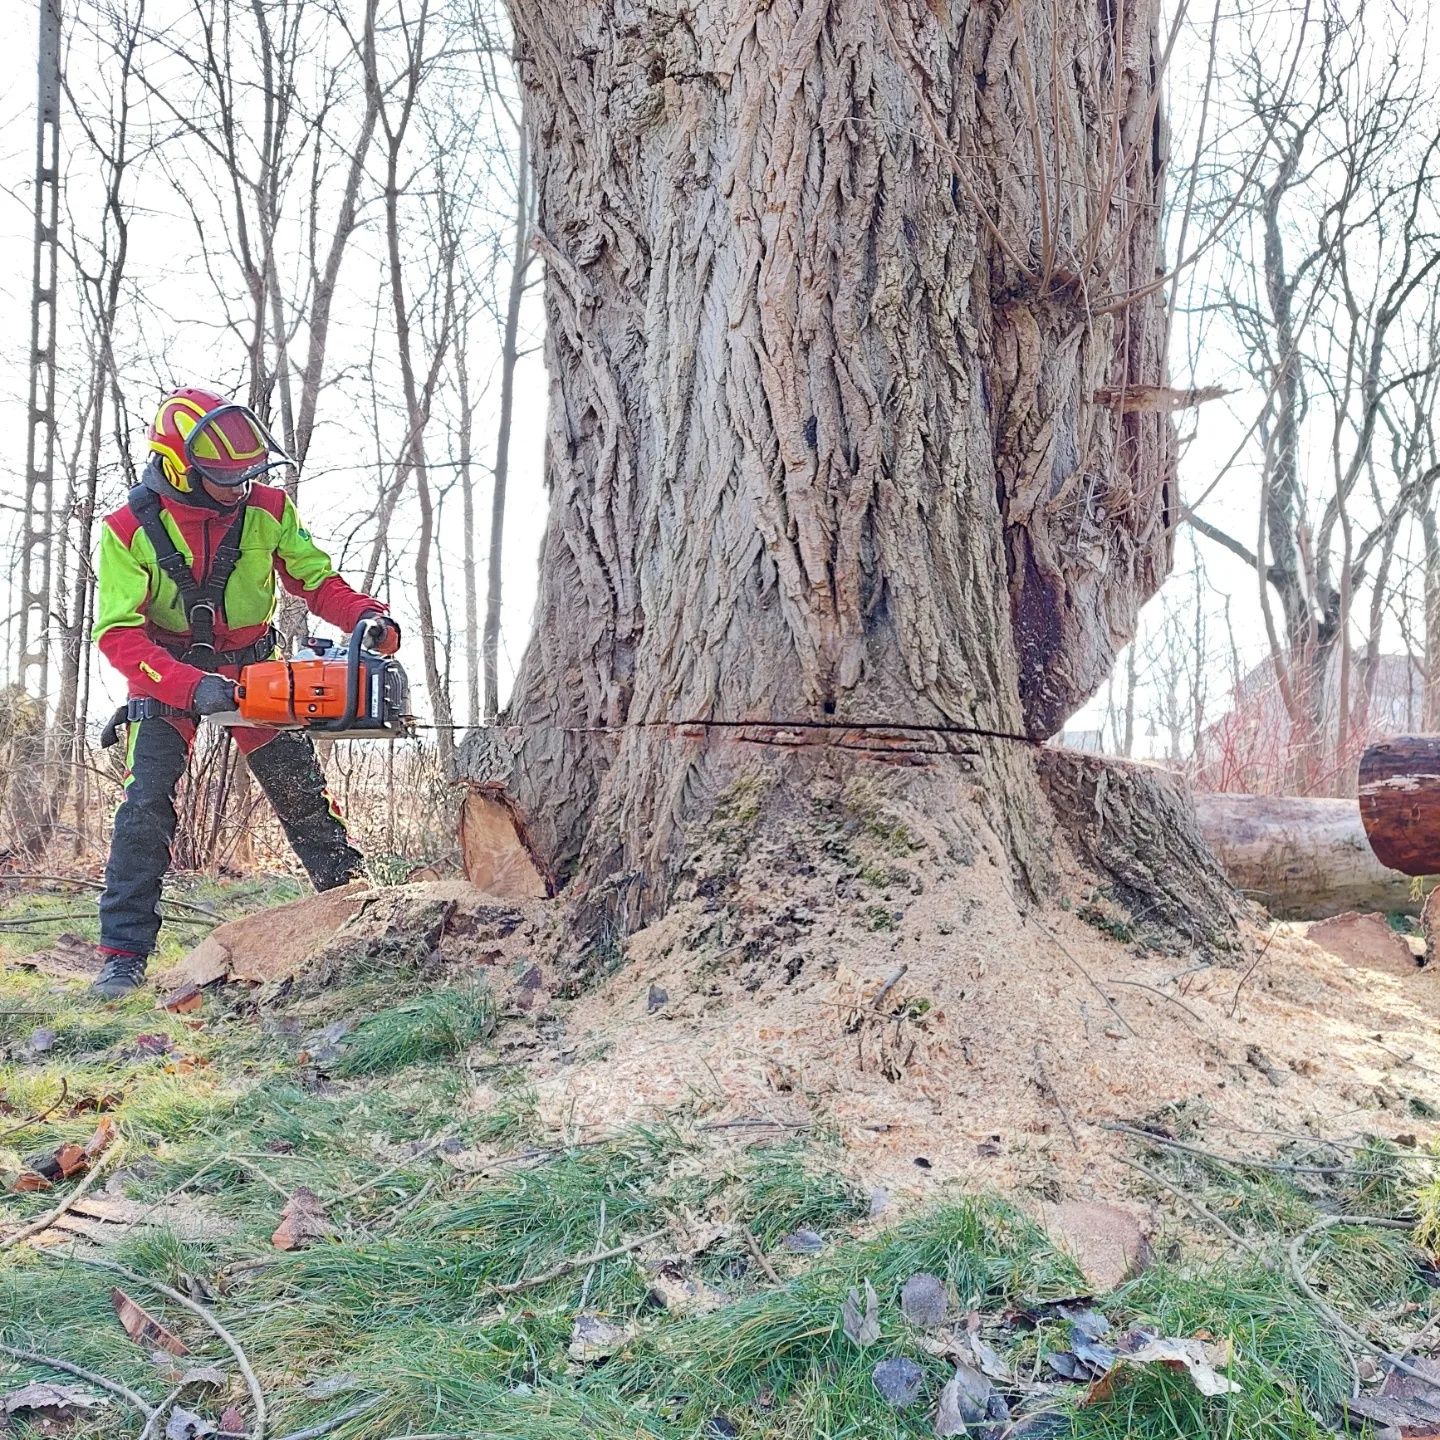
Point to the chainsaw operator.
(185, 598)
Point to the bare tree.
(1340, 216)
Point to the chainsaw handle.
(352, 679)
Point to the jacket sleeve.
(122, 592)
(305, 570)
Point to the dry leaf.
(898, 1380)
(924, 1300)
(863, 1328)
(592, 1339)
(50, 1402)
(964, 1402)
(232, 1422)
(1197, 1359)
(303, 1221)
(143, 1328)
(183, 1425)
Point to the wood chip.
(143, 1328)
(183, 1000)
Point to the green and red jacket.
(140, 621)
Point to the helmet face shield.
(231, 445)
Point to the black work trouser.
(156, 752)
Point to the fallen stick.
(753, 1246)
(1172, 999)
(257, 1395)
(1047, 1086)
(1297, 1273)
(429, 1148)
(1197, 1206)
(1236, 1162)
(50, 1362)
(30, 1121)
(566, 1267)
(159, 1414)
(51, 1216)
(325, 1427)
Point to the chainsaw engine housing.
(323, 688)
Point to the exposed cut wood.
(271, 945)
(1366, 941)
(1400, 802)
(143, 1328)
(496, 851)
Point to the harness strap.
(204, 604)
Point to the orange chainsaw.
(354, 691)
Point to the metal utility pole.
(35, 551)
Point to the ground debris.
(143, 1328)
(683, 1295)
(860, 1316)
(45, 1400)
(1201, 1360)
(303, 1221)
(593, 1339)
(1407, 1406)
(184, 1425)
(1109, 1243)
(67, 1161)
(899, 1380)
(967, 1402)
(183, 1000)
(925, 1301)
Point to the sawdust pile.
(874, 987)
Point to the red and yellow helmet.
(196, 432)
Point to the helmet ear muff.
(176, 475)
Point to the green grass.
(410, 1295)
(441, 1024)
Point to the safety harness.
(204, 603)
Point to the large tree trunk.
(846, 420)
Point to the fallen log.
(1400, 802)
(1301, 858)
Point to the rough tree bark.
(848, 310)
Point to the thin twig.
(50, 1362)
(1048, 1086)
(895, 978)
(257, 1395)
(1197, 1206)
(1172, 999)
(1297, 1273)
(1235, 1002)
(31, 1121)
(565, 1267)
(753, 1246)
(153, 1420)
(428, 1148)
(353, 1413)
(78, 1193)
(1074, 959)
(1238, 1162)
(85, 884)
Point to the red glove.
(382, 635)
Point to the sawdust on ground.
(946, 1038)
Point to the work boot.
(122, 974)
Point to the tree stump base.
(1134, 826)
